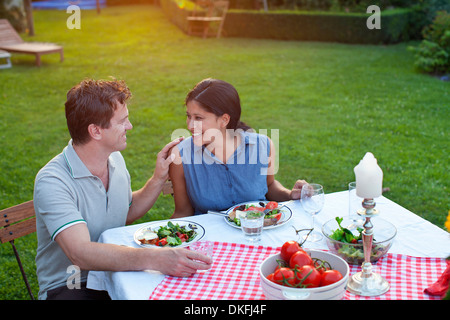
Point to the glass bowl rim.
(359, 244)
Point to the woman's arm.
(183, 207)
(276, 191)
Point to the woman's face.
(205, 126)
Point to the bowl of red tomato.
(303, 274)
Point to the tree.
(13, 10)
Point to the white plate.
(154, 226)
(286, 215)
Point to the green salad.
(344, 235)
(174, 234)
(353, 251)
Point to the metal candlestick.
(367, 282)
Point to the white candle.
(369, 177)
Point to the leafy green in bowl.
(344, 238)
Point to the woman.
(223, 163)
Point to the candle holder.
(367, 282)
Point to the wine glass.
(312, 199)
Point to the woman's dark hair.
(93, 102)
(218, 97)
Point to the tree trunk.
(13, 10)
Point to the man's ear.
(95, 131)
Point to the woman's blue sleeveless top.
(213, 185)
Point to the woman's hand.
(296, 191)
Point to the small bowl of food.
(344, 238)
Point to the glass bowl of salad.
(344, 238)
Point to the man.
(87, 189)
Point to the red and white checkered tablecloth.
(235, 276)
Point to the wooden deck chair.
(205, 13)
(11, 41)
(16, 222)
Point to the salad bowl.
(351, 249)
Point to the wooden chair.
(205, 13)
(16, 222)
(11, 41)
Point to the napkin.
(440, 287)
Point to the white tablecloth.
(415, 237)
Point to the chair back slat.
(219, 9)
(17, 230)
(8, 35)
(17, 221)
(17, 213)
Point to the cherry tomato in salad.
(288, 249)
(284, 276)
(277, 216)
(330, 277)
(271, 205)
(308, 276)
(254, 208)
(162, 242)
(300, 259)
(183, 237)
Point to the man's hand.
(164, 159)
(180, 262)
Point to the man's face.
(115, 137)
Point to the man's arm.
(145, 198)
(76, 244)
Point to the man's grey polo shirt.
(66, 193)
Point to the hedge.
(304, 25)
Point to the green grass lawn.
(331, 103)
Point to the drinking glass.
(354, 204)
(252, 223)
(313, 198)
(204, 247)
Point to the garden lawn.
(331, 103)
